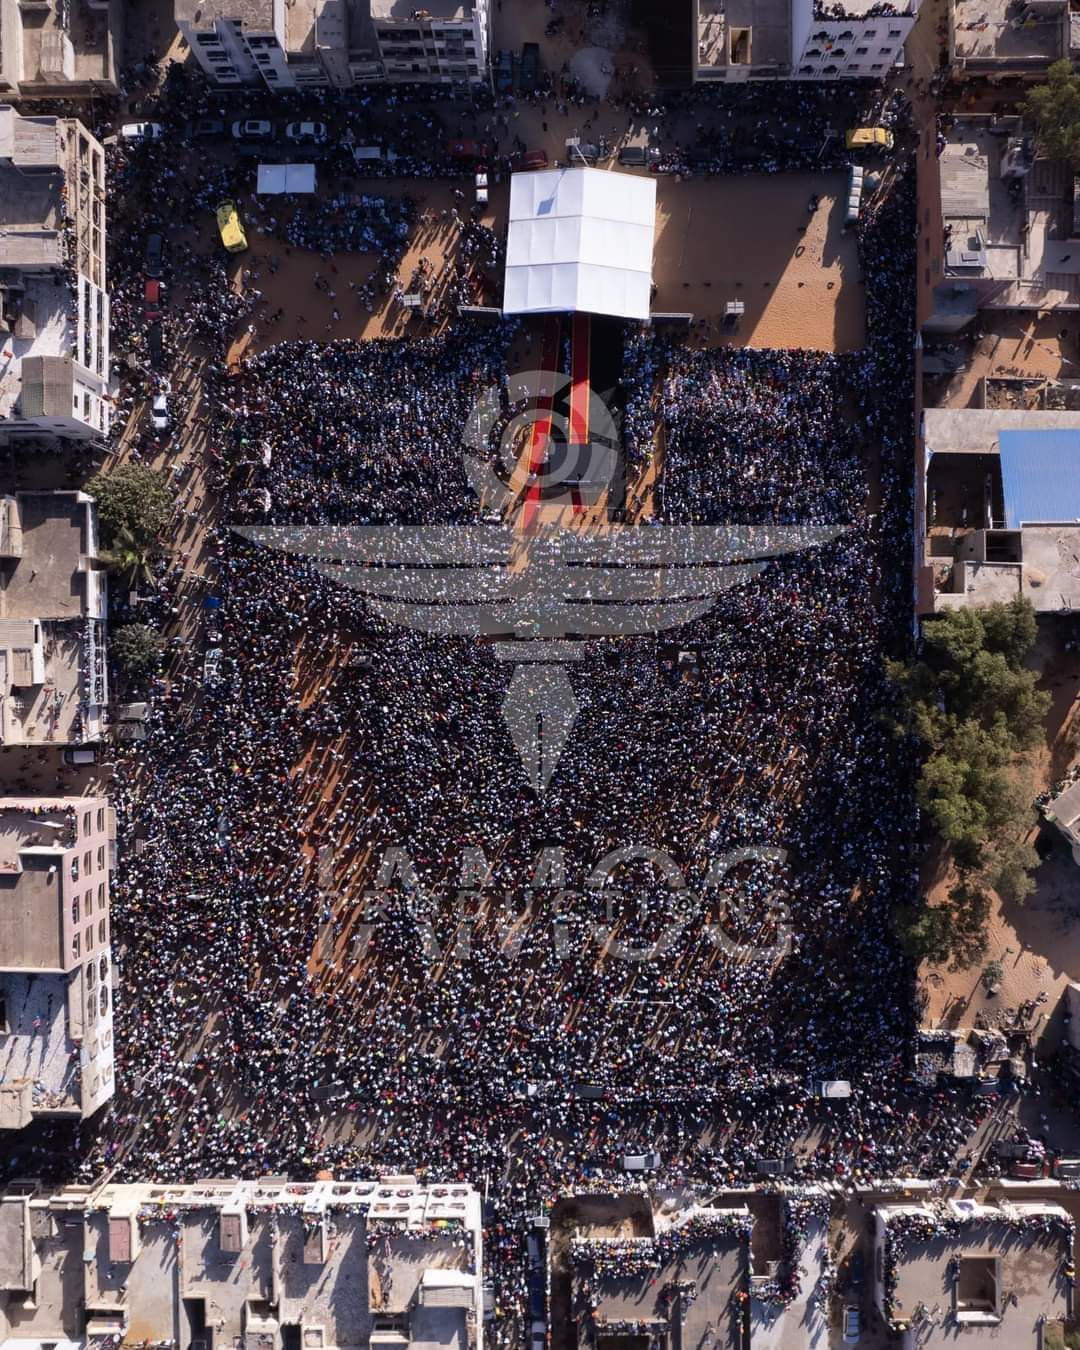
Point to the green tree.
(1053, 110)
(953, 932)
(1009, 870)
(135, 647)
(131, 556)
(134, 498)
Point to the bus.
(230, 229)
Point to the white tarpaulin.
(580, 239)
(286, 178)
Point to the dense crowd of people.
(350, 935)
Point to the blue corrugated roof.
(1040, 477)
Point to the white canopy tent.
(580, 240)
(274, 178)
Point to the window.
(86, 822)
(270, 74)
(75, 867)
(101, 894)
(91, 1007)
(861, 51)
(869, 32)
(877, 66)
(75, 910)
(101, 857)
(896, 32)
(91, 973)
(76, 947)
(104, 999)
(4, 1028)
(103, 969)
(90, 938)
(101, 818)
(86, 862)
(101, 931)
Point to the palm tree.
(131, 555)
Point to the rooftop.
(43, 327)
(260, 1255)
(629, 1280)
(400, 10)
(300, 22)
(990, 31)
(68, 41)
(32, 845)
(258, 15)
(998, 1267)
(744, 32)
(46, 580)
(38, 1046)
(1040, 470)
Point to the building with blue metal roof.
(1040, 476)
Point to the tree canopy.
(134, 647)
(134, 503)
(974, 708)
(1053, 110)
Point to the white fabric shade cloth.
(274, 178)
(580, 240)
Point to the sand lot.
(751, 238)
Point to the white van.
(641, 1162)
(367, 152)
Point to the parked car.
(159, 412)
(154, 255)
(531, 159)
(641, 1162)
(252, 129)
(141, 131)
(205, 128)
(152, 300)
(579, 152)
(504, 72)
(468, 150)
(1027, 1171)
(852, 1325)
(529, 76)
(86, 754)
(869, 138)
(312, 132)
(153, 343)
(639, 156)
(212, 671)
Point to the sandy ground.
(751, 238)
(1011, 344)
(1037, 943)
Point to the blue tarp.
(1040, 477)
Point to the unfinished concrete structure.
(60, 48)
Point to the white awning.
(275, 178)
(580, 239)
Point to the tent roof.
(580, 239)
(275, 178)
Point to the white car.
(142, 131)
(211, 671)
(306, 131)
(159, 412)
(252, 129)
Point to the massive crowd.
(269, 1019)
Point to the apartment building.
(56, 980)
(60, 48)
(272, 1264)
(1009, 40)
(740, 40)
(54, 308)
(53, 598)
(336, 43)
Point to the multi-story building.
(271, 1264)
(336, 43)
(56, 982)
(60, 48)
(739, 40)
(53, 598)
(54, 308)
